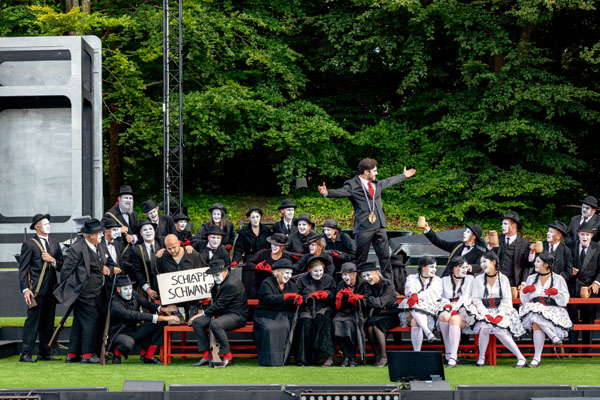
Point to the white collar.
(91, 246)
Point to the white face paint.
(368, 277)
(289, 213)
(216, 216)
(467, 235)
(550, 235)
(153, 215)
(286, 275)
(100, 236)
(182, 224)
(126, 203)
(115, 233)
(538, 264)
(327, 232)
(485, 265)
(214, 241)
(347, 278)
(317, 272)
(429, 271)
(585, 238)
(275, 248)
(46, 226)
(148, 233)
(586, 210)
(505, 226)
(312, 247)
(255, 218)
(463, 270)
(127, 292)
(303, 227)
(219, 278)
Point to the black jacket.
(520, 270)
(297, 243)
(279, 227)
(473, 256)
(563, 261)
(228, 239)
(380, 297)
(248, 244)
(166, 225)
(220, 254)
(125, 314)
(132, 228)
(227, 298)
(574, 226)
(344, 246)
(167, 263)
(590, 270)
(306, 285)
(145, 268)
(31, 261)
(270, 299)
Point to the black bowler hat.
(282, 263)
(514, 216)
(586, 227)
(37, 218)
(348, 267)
(215, 230)
(109, 223)
(476, 229)
(314, 237)
(367, 266)
(287, 204)
(559, 226)
(590, 201)
(180, 216)
(148, 206)
(278, 239)
(125, 190)
(92, 226)
(331, 223)
(218, 206)
(252, 209)
(123, 280)
(146, 222)
(216, 266)
(303, 217)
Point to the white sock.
(508, 342)
(443, 327)
(454, 336)
(422, 321)
(484, 338)
(416, 337)
(538, 344)
(546, 329)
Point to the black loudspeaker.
(144, 386)
(588, 388)
(226, 388)
(405, 366)
(430, 385)
(514, 387)
(340, 388)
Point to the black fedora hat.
(348, 267)
(148, 206)
(314, 237)
(303, 217)
(217, 206)
(252, 209)
(559, 226)
(110, 223)
(287, 203)
(123, 280)
(513, 215)
(367, 266)
(180, 216)
(331, 223)
(590, 201)
(92, 226)
(586, 227)
(146, 222)
(125, 190)
(215, 230)
(476, 229)
(37, 218)
(278, 239)
(215, 266)
(282, 263)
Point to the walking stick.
(107, 325)
(360, 322)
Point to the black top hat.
(92, 226)
(367, 266)
(37, 218)
(278, 239)
(217, 206)
(252, 209)
(287, 204)
(303, 217)
(215, 230)
(348, 267)
(123, 280)
(590, 201)
(148, 206)
(559, 226)
(215, 266)
(109, 223)
(586, 227)
(314, 237)
(180, 216)
(476, 229)
(514, 216)
(125, 190)
(146, 222)
(398, 260)
(331, 223)
(282, 263)
(315, 259)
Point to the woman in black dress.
(218, 214)
(262, 262)
(277, 300)
(316, 247)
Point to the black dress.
(227, 239)
(345, 319)
(272, 322)
(260, 275)
(314, 329)
(381, 298)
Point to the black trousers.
(83, 330)
(148, 334)
(248, 281)
(40, 320)
(219, 327)
(379, 239)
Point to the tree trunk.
(497, 61)
(115, 160)
(86, 6)
(68, 5)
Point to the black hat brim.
(38, 219)
(561, 230)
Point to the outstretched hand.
(323, 189)
(407, 172)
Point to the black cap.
(180, 216)
(92, 226)
(215, 266)
(331, 223)
(148, 206)
(559, 226)
(314, 237)
(252, 209)
(590, 201)
(278, 239)
(146, 222)
(348, 267)
(37, 218)
(282, 263)
(287, 204)
(513, 215)
(367, 266)
(123, 280)
(303, 217)
(476, 229)
(125, 190)
(217, 206)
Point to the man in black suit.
(164, 223)
(286, 224)
(143, 258)
(41, 257)
(80, 284)
(364, 191)
(123, 213)
(297, 240)
(467, 247)
(228, 307)
(181, 227)
(589, 205)
(340, 245)
(212, 247)
(563, 258)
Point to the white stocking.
(454, 336)
(538, 344)
(443, 327)
(484, 338)
(551, 335)
(508, 342)
(422, 321)
(416, 337)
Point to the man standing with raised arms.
(364, 191)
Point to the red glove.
(322, 295)
(205, 302)
(354, 298)
(287, 296)
(413, 299)
(551, 291)
(263, 266)
(234, 264)
(296, 256)
(447, 307)
(497, 319)
(335, 254)
(338, 300)
(529, 289)
(489, 318)
(314, 294)
(185, 242)
(228, 247)
(453, 313)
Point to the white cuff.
(154, 318)
(427, 230)
(531, 257)
(24, 290)
(159, 309)
(145, 287)
(597, 283)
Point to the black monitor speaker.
(406, 366)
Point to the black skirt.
(344, 325)
(271, 331)
(314, 337)
(384, 322)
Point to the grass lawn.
(575, 371)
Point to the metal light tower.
(172, 106)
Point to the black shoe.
(203, 361)
(328, 362)
(152, 360)
(90, 360)
(345, 362)
(353, 363)
(48, 358)
(227, 363)
(25, 357)
(381, 363)
(116, 360)
(70, 359)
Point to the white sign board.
(182, 286)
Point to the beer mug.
(584, 292)
(421, 222)
(539, 247)
(514, 292)
(493, 239)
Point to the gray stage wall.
(51, 135)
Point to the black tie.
(582, 256)
(507, 241)
(288, 228)
(44, 244)
(551, 249)
(152, 249)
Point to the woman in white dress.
(456, 296)
(493, 310)
(420, 308)
(545, 298)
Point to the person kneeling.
(125, 315)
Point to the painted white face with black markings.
(538, 264)
(216, 216)
(182, 224)
(464, 270)
(153, 215)
(127, 292)
(586, 210)
(429, 271)
(327, 232)
(286, 275)
(219, 277)
(115, 233)
(289, 213)
(255, 218)
(148, 233)
(46, 226)
(584, 238)
(303, 227)
(368, 276)
(214, 241)
(485, 264)
(467, 235)
(126, 203)
(349, 278)
(505, 226)
(317, 272)
(275, 248)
